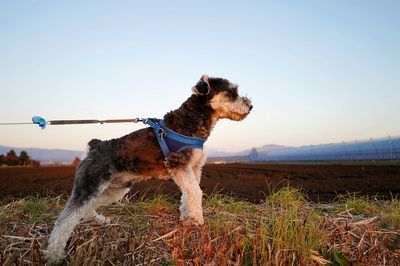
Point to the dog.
(112, 166)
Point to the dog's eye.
(233, 94)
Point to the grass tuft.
(290, 230)
(159, 203)
(391, 214)
(357, 205)
(387, 212)
(229, 204)
(35, 207)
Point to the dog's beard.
(235, 110)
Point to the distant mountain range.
(265, 148)
(46, 155)
(216, 155)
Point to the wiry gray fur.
(94, 170)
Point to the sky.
(316, 71)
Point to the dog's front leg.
(199, 159)
(183, 208)
(191, 194)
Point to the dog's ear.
(202, 87)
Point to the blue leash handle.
(40, 121)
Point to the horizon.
(317, 73)
(216, 151)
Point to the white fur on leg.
(198, 160)
(110, 195)
(65, 225)
(196, 164)
(102, 219)
(192, 194)
(183, 208)
(62, 231)
(98, 217)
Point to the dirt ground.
(322, 182)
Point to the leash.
(169, 140)
(42, 123)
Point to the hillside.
(215, 155)
(46, 155)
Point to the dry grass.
(284, 230)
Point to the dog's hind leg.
(73, 213)
(110, 195)
(65, 225)
(91, 180)
(98, 217)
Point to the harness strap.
(160, 134)
(181, 138)
(171, 141)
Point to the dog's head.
(222, 95)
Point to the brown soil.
(322, 182)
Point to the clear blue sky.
(317, 71)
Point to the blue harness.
(171, 141)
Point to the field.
(321, 182)
(262, 221)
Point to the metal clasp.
(161, 132)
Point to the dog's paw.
(192, 221)
(102, 220)
(54, 257)
(184, 215)
(199, 221)
(184, 219)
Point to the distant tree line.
(12, 159)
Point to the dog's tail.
(93, 143)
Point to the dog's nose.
(250, 107)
